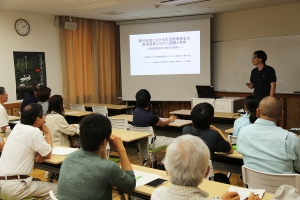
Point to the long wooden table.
(53, 164)
(75, 116)
(13, 117)
(128, 109)
(13, 120)
(216, 115)
(212, 187)
(176, 123)
(228, 162)
(77, 113)
(230, 130)
(219, 117)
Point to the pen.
(136, 178)
(254, 195)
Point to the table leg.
(140, 151)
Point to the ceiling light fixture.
(158, 14)
(98, 5)
(230, 3)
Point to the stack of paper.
(63, 151)
(244, 192)
(143, 178)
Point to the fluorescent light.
(112, 13)
(229, 3)
(98, 5)
(158, 14)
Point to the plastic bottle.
(7, 132)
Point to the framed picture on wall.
(30, 68)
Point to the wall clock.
(22, 27)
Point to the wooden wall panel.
(9, 111)
(13, 108)
(12, 105)
(15, 111)
(293, 112)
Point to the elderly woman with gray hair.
(187, 164)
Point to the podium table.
(227, 105)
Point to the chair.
(268, 181)
(151, 140)
(119, 123)
(101, 110)
(77, 107)
(232, 139)
(52, 195)
(210, 175)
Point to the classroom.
(234, 36)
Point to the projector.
(70, 26)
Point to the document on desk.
(63, 151)
(177, 121)
(244, 192)
(143, 178)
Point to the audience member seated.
(86, 173)
(202, 116)
(250, 106)
(43, 96)
(142, 118)
(3, 113)
(187, 164)
(24, 146)
(31, 97)
(265, 146)
(57, 123)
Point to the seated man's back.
(202, 116)
(268, 148)
(86, 173)
(24, 146)
(211, 138)
(265, 146)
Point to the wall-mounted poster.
(30, 68)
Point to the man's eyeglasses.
(253, 57)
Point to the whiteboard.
(232, 65)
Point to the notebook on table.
(205, 91)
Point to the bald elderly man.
(265, 146)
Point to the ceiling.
(120, 10)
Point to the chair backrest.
(147, 129)
(232, 139)
(53, 197)
(101, 110)
(77, 107)
(210, 174)
(268, 181)
(119, 123)
(108, 150)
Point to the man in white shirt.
(3, 113)
(25, 146)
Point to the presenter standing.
(263, 77)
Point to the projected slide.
(165, 53)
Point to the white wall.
(43, 37)
(257, 23)
(236, 35)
